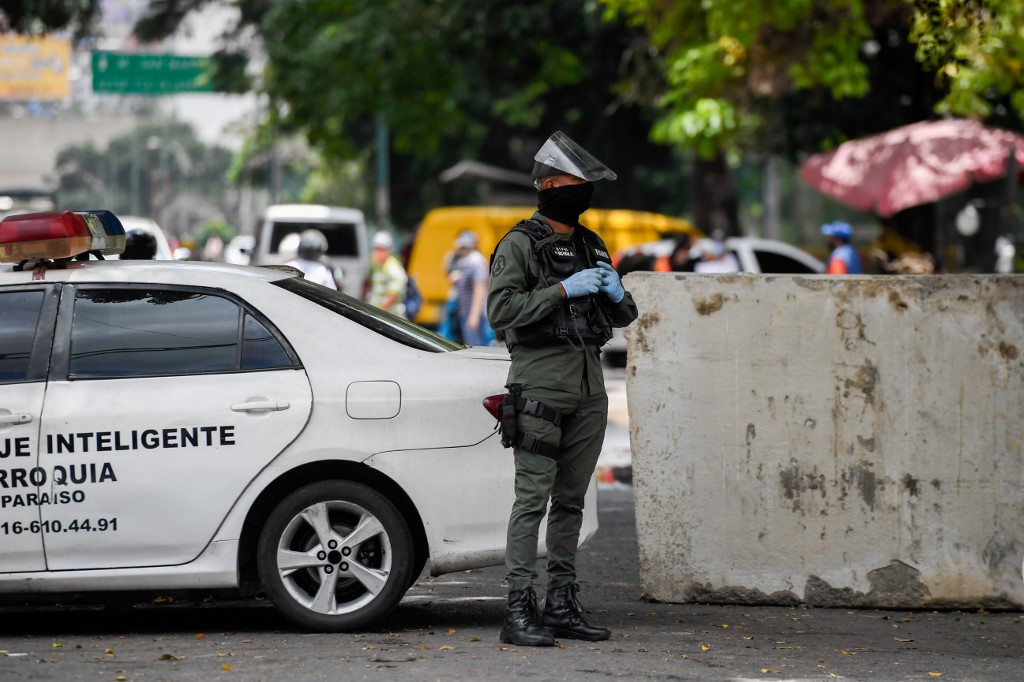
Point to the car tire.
(335, 556)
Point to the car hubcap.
(334, 557)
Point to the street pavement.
(447, 629)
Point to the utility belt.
(577, 322)
(508, 424)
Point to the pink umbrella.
(912, 165)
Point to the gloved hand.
(582, 283)
(611, 285)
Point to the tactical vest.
(576, 321)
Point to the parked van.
(436, 238)
(345, 229)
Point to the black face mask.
(566, 203)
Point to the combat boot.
(522, 621)
(563, 616)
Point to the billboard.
(34, 68)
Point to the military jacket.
(513, 301)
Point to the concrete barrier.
(850, 441)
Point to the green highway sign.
(149, 74)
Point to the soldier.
(556, 297)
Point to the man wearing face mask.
(556, 297)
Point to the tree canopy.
(732, 68)
(454, 80)
(36, 17)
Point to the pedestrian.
(471, 291)
(844, 259)
(556, 297)
(717, 259)
(387, 276)
(448, 327)
(139, 245)
(309, 259)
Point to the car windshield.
(384, 323)
(342, 239)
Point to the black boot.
(563, 616)
(522, 621)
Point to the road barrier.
(835, 441)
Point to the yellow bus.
(435, 239)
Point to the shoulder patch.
(499, 265)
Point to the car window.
(393, 327)
(19, 311)
(127, 332)
(777, 264)
(342, 239)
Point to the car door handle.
(261, 406)
(15, 418)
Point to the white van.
(345, 229)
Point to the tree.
(35, 17)
(141, 171)
(791, 76)
(453, 80)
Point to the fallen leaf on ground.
(903, 639)
(768, 671)
(934, 674)
(705, 647)
(169, 657)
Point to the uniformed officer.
(555, 295)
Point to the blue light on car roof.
(59, 235)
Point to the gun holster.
(509, 426)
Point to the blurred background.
(198, 115)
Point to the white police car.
(170, 425)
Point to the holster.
(508, 424)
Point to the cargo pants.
(563, 479)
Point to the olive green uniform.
(564, 376)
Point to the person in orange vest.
(844, 259)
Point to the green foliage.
(454, 80)
(723, 59)
(215, 227)
(976, 49)
(38, 17)
(157, 155)
(733, 67)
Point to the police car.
(175, 425)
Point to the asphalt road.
(447, 629)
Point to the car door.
(164, 403)
(25, 333)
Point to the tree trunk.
(715, 200)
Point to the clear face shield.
(560, 154)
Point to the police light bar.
(56, 235)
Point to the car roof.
(185, 272)
(299, 212)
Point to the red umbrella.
(912, 165)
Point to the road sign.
(34, 68)
(149, 74)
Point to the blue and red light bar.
(54, 235)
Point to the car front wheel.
(335, 556)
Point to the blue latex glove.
(611, 285)
(582, 283)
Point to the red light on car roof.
(59, 234)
